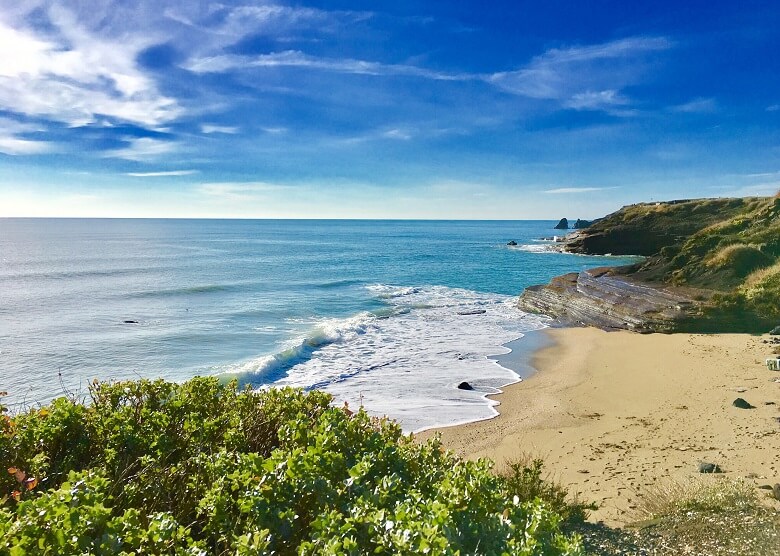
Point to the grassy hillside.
(727, 248)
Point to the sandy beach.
(613, 413)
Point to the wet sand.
(613, 413)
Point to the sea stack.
(563, 224)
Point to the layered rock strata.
(598, 297)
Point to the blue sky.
(339, 109)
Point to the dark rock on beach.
(741, 403)
(776, 491)
(465, 386)
(705, 467)
(563, 224)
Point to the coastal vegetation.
(154, 467)
(723, 253)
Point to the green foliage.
(524, 479)
(204, 468)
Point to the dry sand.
(613, 413)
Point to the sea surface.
(388, 314)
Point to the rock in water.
(130, 321)
(513, 242)
(705, 467)
(465, 386)
(742, 404)
(775, 331)
(563, 224)
(581, 224)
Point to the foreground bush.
(202, 468)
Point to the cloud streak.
(575, 190)
(164, 174)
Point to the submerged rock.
(465, 386)
(473, 312)
(130, 321)
(563, 224)
(741, 403)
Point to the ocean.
(390, 315)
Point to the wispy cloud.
(585, 77)
(697, 106)
(164, 174)
(773, 108)
(143, 149)
(12, 145)
(573, 190)
(298, 59)
(68, 73)
(213, 128)
(238, 191)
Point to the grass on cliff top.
(727, 246)
(202, 468)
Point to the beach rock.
(581, 224)
(775, 331)
(563, 224)
(776, 491)
(705, 467)
(741, 403)
(465, 386)
(598, 297)
(512, 243)
(130, 321)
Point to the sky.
(389, 109)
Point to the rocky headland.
(709, 265)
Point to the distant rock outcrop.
(582, 224)
(563, 224)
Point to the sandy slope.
(612, 413)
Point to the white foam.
(407, 365)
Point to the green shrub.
(203, 468)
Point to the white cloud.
(586, 77)
(143, 149)
(72, 74)
(773, 108)
(697, 106)
(569, 190)
(238, 191)
(15, 146)
(596, 100)
(298, 59)
(164, 174)
(212, 128)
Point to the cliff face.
(598, 297)
(711, 264)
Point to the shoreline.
(613, 413)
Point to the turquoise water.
(377, 312)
